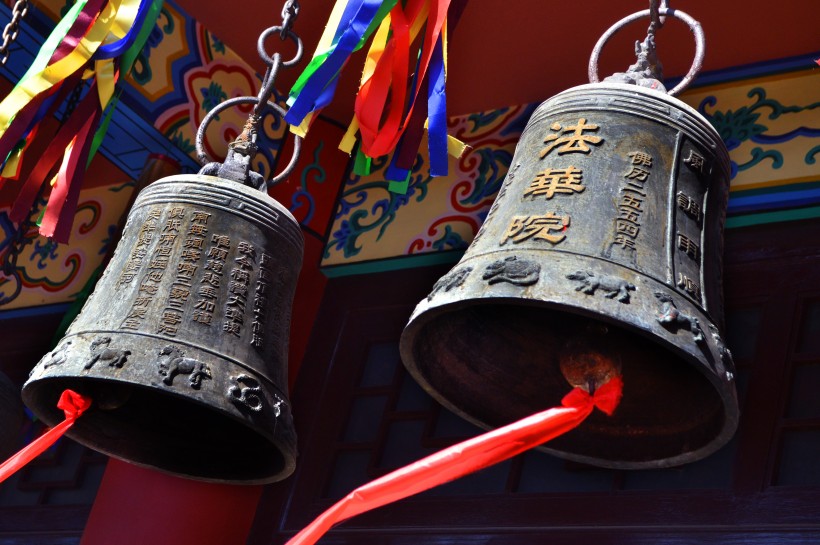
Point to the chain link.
(12, 29)
(289, 13)
(245, 143)
(656, 21)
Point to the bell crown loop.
(694, 26)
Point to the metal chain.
(289, 13)
(245, 143)
(656, 21)
(12, 29)
(72, 101)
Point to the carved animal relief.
(673, 319)
(101, 352)
(173, 362)
(519, 272)
(612, 286)
(450, 281)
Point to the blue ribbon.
(115, 49)
(395, 173)
(324, 77)
(437, 113)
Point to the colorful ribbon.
(73, 405)
(97, 39)
(466, 457)
(386, 111)
(323, 70)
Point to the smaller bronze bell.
(183, 345)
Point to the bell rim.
(287, 449)
(720, 384)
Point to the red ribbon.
(74, 405)
(52, 154)
(392, 73)
(466, 457)
(62, 203)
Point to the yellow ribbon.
(302, 128)
(104, 69)
(54, 39)
(37, 83)
(376, 49)
(330, 29)
(325, 42)
(455, 147)
(349, 139)
(12, 168)
(106, 80)
(123, 20)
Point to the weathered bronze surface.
(601, 252)
(183, 344)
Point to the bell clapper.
(586, 362)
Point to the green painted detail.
(758, 154)
(393, 264)
(773, 217)
(212, 96)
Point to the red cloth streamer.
(466, 457)
(62, 203)
(74, 405)
(392, 72)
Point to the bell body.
(183, 344)
(601, 255)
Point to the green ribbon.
(361, 167)
(320, 59)
(400, 187)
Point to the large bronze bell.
(601, 254)
(183, 344)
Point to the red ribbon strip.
(466, 457)
(74, 405)
(62, 203)
(392, 72)
(52, 154)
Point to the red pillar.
(138, 506)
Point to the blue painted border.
(29, 312)
(753, 70)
